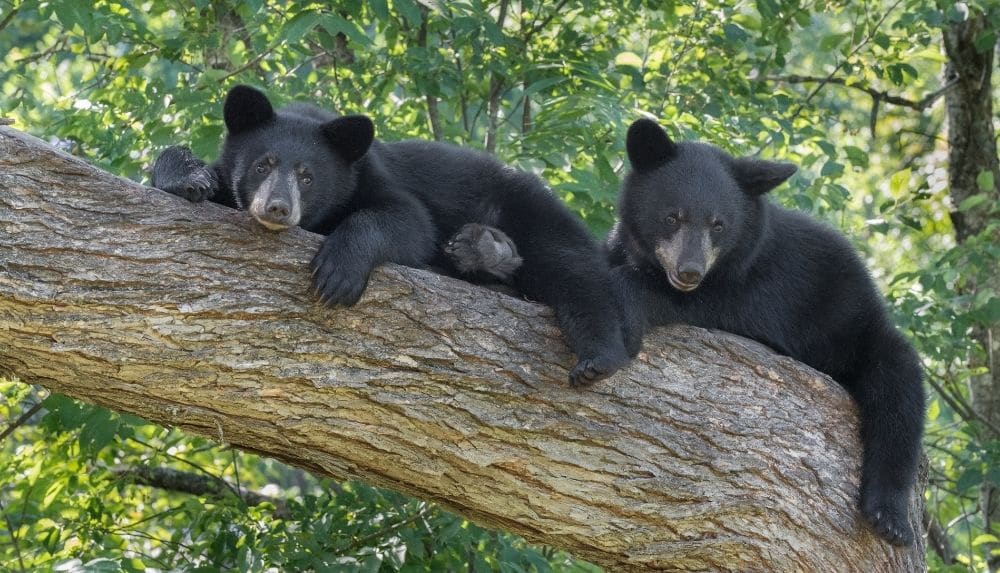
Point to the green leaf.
(984, 538)
(985, 41)
(985, 180)
(63, 413)
(832, 41)
(303, 23)
(541, 85)
(409, 10)
(973, 201)
(99, 429)
(380, 8)
(628, 59)
(900, 181)
(857, 156)
(734, 33)
(958, 12)
(934, 410)
(334, 23)
(832, 169)
(970, 478)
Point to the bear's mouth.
(677, 283)
(270, 225)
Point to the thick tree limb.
(708, 453)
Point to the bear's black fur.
(698, 243)
(409, 203)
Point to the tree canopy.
(857, 94)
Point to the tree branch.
(10, 16)
(20, 420)
(195, 484)
(709, 452)
(496, 90)
(879, 95)
(433, 115)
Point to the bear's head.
(290, 168)
(688, 208)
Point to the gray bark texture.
(708, 453)
(972, 149)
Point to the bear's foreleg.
(399, 232)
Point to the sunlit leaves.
(116, 82)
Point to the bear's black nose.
(690, 277)
(278, 209)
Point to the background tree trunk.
(972, 150)
(708, 453)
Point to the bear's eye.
(717, 228)
(261, 168)
(306, 180)
(670, 220)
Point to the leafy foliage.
(844, 89)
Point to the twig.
(31, 411)
(9, 17)
(541, 25)
(363, 542)
(937, 538)
(829, 77)
(13, 536)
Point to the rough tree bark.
(708, 453)
(972, 149)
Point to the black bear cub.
(416, 203)
(698, 243)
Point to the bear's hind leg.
(479, 248)
(563, 268)
(890, 396)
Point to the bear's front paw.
(197, 186)
(337, 280)
(178, 172)
(479, 248)
(591, 369)
(886, 511)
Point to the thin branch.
(364, 541)
(526, 112)
(937, 538)
(840, 64)
(61, 44)
(960, 406)
(13, 536)
(201, 469)
(433, 114)
(21, 419)
(7, 19)
(880, 95)
(541, 25)
(829, 77)
(496, 87)
(194, 484)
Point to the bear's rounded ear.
(758, 176)
(246, 108)
(350, 136)
(648, 145)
